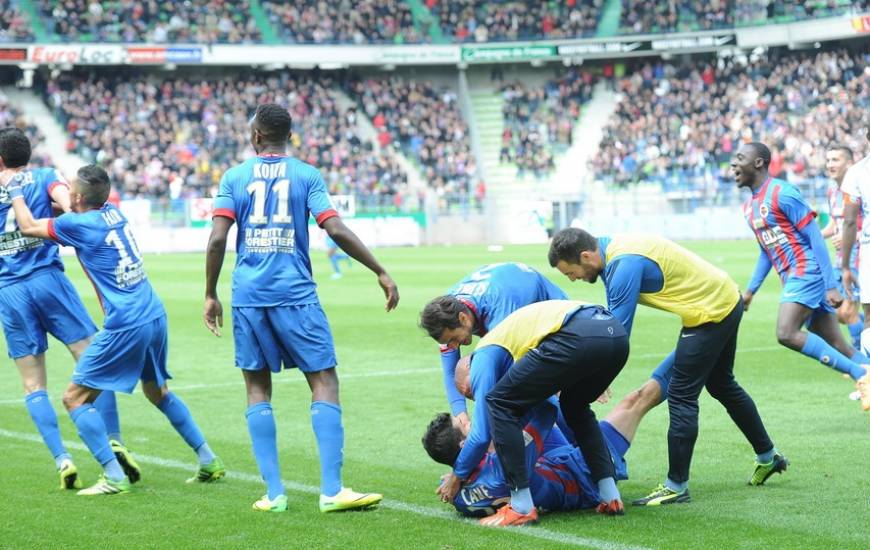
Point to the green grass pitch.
(391, 387)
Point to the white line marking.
(425, 511)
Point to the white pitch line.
(425, 511)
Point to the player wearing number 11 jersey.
(277, 318)
(132, 345)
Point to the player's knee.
(787, 337)
(73, 399)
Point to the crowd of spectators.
(200, 21)
(650, 16)
(487, 20)
(425, 121)
(14, 24)
(688, 119)
(343, 21)
(755, 12)
(12, 116)
(539, 120)
(175, 137)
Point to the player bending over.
(277, 318)
(559, 476)
(36, 299)
(790, 241)
(474, 306)
(133, 343)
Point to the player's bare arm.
(213, 312)
(849, 234)
(350, 243)
(60, 196)
(23, 216)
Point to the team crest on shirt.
(763, 210)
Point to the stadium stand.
(202, 21)
(12, 116)
(14, 24)
(344, 22)
(680, 123)
(176, 136)
(647, 16)
(539, 120)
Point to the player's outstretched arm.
(213, 313)
(350, 243)
(26, 223)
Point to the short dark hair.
(94, 184)
(273, 122)
(762, 151)
(15, 148)
(442, 440)
(440, 314)
(568, 243)
(842, 147)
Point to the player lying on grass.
(133, 343)
(538, 351)
(559, 476)
(790, 241)
(474, 306)
(36, 299)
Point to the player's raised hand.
(834, 296)
(213, 315)
(848, 282)
(391, 291)
(450, 485)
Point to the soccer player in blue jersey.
(37, 299)
(560, 478)
(838, 158)
(791, 242)
(474, 306)
(277, 318)
(133, 343)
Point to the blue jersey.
(20, 256)
(270, 198)
(492, 293)
(110, 257)
(777, 213)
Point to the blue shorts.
(44, 303)
(856, 291)
(809, 292)
(295, 336)
(118, 359)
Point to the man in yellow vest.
(537, 351)
(651, 270)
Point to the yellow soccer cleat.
(212, 471)
(125, 459)
(279, 504)
(348, 499)
(105, 486)
(69, 475)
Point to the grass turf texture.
(391, 387)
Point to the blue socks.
(663, 373)
(817, 348)
(108, 407)
(326, 421)
(334, 261)
(521, 501)
(179, 415)
(676, 487)
(855, 331)
(92, 430)
(607, 489)
(43, 415)
(261, 426)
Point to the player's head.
(449, 321)
(574, 252)
(750, 163)
(443, 439)
(838, 158)
(270, 127)
(90, 189)
(462, 376)
(14, 148)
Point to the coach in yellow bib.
(651, 270)
(537, 351)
